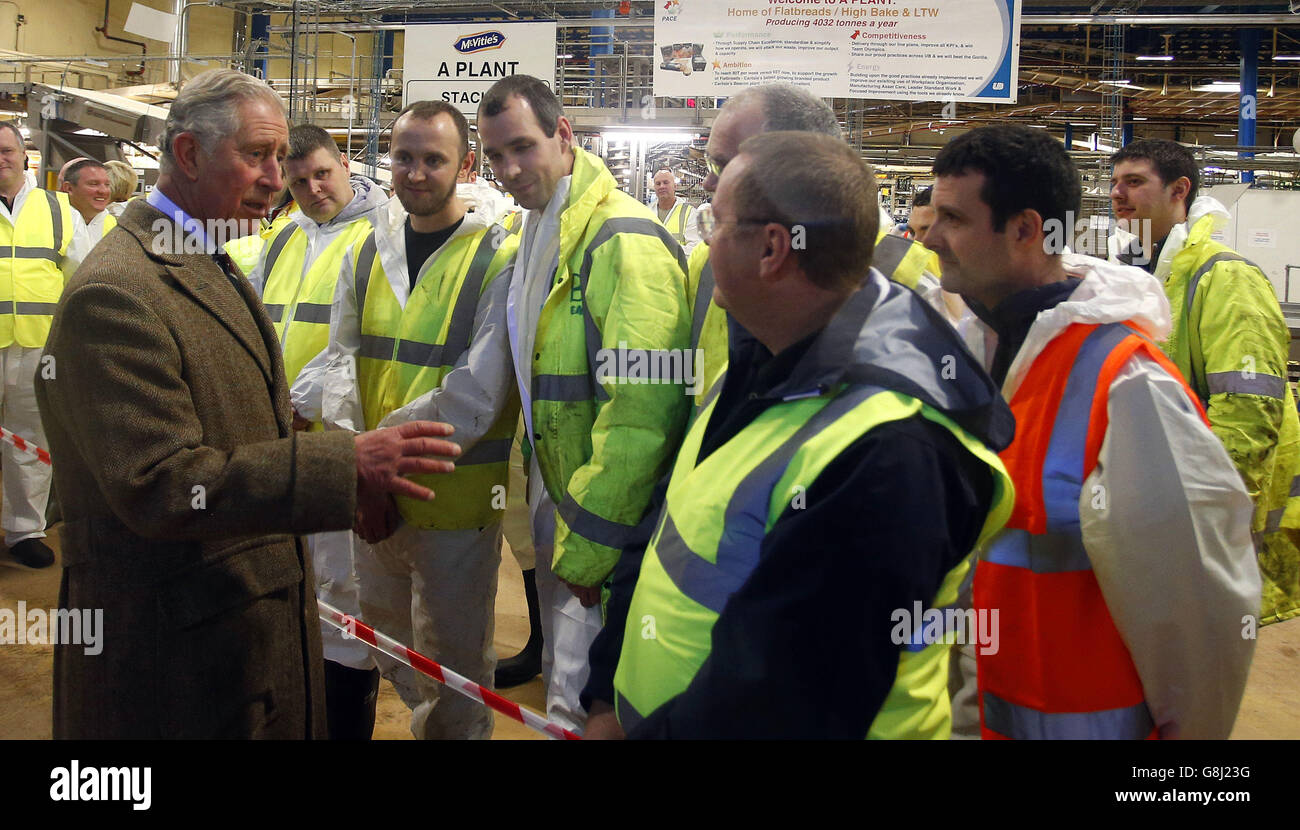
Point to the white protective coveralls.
(434, 590)
(27, 480)
(332, 553)
(1179, 590)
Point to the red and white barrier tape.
(23, 444)
(381, 642)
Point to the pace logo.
(479, 42)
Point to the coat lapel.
(200, 277)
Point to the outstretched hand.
(384, 456)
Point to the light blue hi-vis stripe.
(1131, 723)
(1243, 383)
(1063, 467)
(1049, 553)
(711, 584)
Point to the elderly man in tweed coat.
(183, 483)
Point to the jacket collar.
(886, 336)
(236, 307)
(592, 182)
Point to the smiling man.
(49, 239)
(184, 485)
(1229, 340)
(418, 331)
(87, 185)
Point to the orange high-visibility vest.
(1062, 669)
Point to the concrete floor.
(1269, 710)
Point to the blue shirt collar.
(187, 223)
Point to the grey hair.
(207, 108)
(788, 107)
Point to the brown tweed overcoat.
(182, 486)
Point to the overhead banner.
(918, 50)
(457, 63)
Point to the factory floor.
(1268, 711)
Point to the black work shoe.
(33, 553)
(527, 664)
(524, 666)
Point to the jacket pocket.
(231, 646)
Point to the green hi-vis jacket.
(1231, 343)
(608, 388)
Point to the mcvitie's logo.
(478, 42)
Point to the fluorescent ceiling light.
(1155, 57)
(633, 135)
(1224, 135)
(1139, 118)
(1119, 83)
(1219, 86)
(1082, 124)
(1286, 57)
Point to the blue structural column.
(1249, 102)
(261, 31)
(602, 43)
(1126, 133)
(1069, 136)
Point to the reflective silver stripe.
(7, 307)
(703, 296)
(376, 347)
(421, 354)
(312, 313)
(496, 451)
(1269, 386)
(1274, 520)
(714, 391)
(628, 717)
(37, 309)
(277, 245)
(890, 253)
(461, 328)
(56, 220)
(567, 388)
(52, 254)
(599, 530)
(275, 311)
(365, 264)
(1295, 487)
(1048, 553)
(593, 345)
(1225, 256)
(711, 584)
(622, 224)
(1131, 723)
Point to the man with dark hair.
(836, 475)
(599, 285)
(296, 276)
(417, 331)
(1229, 340)
(89, 190)
(48, 239)
(1126, 568)
(922, 216)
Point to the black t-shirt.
(420, 246)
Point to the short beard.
(437, 208)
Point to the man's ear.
(777, 251)
(1026, 227)
(1179, 189)
(65, 187)
(186, 150)
(565, 131)
(466, 165)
